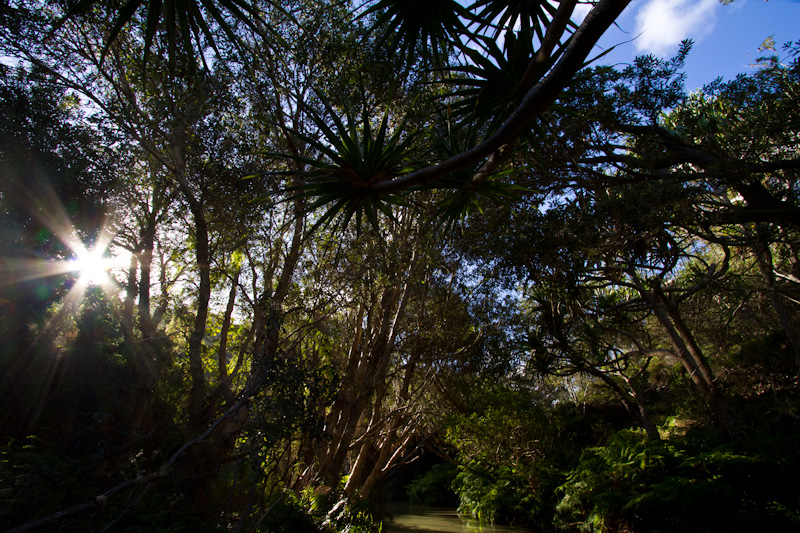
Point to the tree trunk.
(388, 444)
(766, 266)
(632, 402)
(693, 361)
(197, 394)
(222, 358)
(130, 290)
(639, 412)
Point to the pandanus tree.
(464, 91)
(543, 49)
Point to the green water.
(437, 520)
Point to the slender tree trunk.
(765, 264)
(632, 403)
(130, 289)
(638, 407)
(145, 268)
(143, 354)
(388, 448)
(198, 390)
(222, 359)
(197, 394)
(161, 308)
(694, 361)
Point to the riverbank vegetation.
(262, 259)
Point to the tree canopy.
(265, 265)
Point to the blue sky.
(726, 37)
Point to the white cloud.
(580, 12)
(662, 24)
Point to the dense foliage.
(260, 259)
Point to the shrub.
(434, 486)
(684, 484)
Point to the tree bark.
(765, 264)
(197, 394)
(693, 361)
(222, 355)
(632, 402)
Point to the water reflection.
(437, 520)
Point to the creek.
(406, 518)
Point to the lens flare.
(93, 267)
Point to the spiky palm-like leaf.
(466, 193)
(467, 199)
(488, 88)
(184, 21)
(528, 16)
(353, 156)
(428, 26)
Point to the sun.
(93, 266)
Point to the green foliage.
(498, 494)
(353, 157)
(689, 483)
(182, 23)
(530, 16)
(289, 515)
(292, 398)
(424, 27)
(434, 486)
(49, 162)
(511, 445)
(651, 86)
(489, 89)
(465, 194)
(330, 510)
(352, 516)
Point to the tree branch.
(536, 101)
